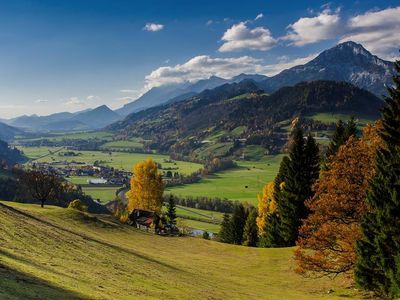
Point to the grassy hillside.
(57, 253)
(242, 183)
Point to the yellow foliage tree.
(147, 187)
(266, 205)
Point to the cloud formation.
(308, 30)
(240, 37)
(41, 101)
(259, 16)
(153, 27)
(201, 67)
(74, 101)
(378, 31)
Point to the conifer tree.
(250, 234)
(378, 265)
(225, 234)
(301, 173)
(351, 129)
(238, 222)
(171, 210)
(337, 139)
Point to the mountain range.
(348, 62)
(91, 119)
(241, 111)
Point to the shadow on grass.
(17, 285)
(91, 238)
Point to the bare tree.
(41, 186)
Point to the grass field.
(104, 194)
(328, 118)
(57, 253)
(134, 143)
(232, 183)
(118, 160)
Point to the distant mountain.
(97, 118)
(349, 62)
(7, 132)
(88, 119)
(178, 92)
(185, 126)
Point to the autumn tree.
(41, 186)
(328, 236)
(378, 264)
(147, 187)
(266, 205)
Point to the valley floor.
(57, 253)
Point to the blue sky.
(70, 55)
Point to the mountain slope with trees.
(188, 125)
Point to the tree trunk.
(42, 203)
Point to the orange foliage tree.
(266, 205)
(147, 187)
(328, 236)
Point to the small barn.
(145, 220)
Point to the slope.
(77, 256)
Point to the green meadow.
(119, 160)
(243, 183)
(59, 253)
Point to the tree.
(238, 221)
(342, 133)
(378, 252)
(250, 234)
(328, 236)
(41, 186)
(225, 234)
(299, 176)
(266, 205)
(147, 187)
(171, 210)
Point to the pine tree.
(378, 265)
(225, 234)
(171, 211)
(337, 139)
(351, 129)
(301, 173)
(238, 222)
(250, 234)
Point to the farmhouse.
(145, 220)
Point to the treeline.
(212, 204)
(32, 186)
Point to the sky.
(76, 54)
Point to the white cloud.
(240, 37)
(201, 67)
(309, 30)
(153, 27)
(74, 101)
(378, 31)
(92, 98)
(259, 16)
(209, 22)
(286, 63)
(41, 100)
(124, 100)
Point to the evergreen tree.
(250, 234)
(225, 234)
(238, 222)
(378, 265)
(337, 139)
(171, 210)
(272, 236)
(301, 173)
(351, 129)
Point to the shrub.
(78, 205)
